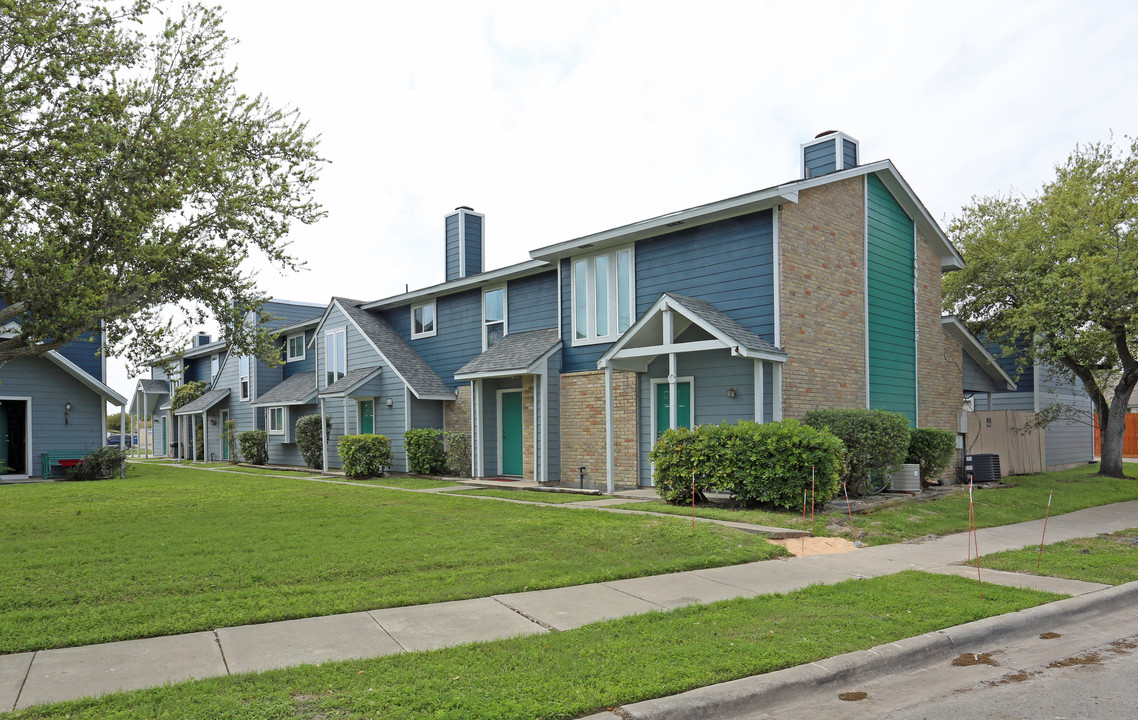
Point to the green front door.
(511, 421)
(663, 408)
(165, 439)
(367, 417)
(225, 439)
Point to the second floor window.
(604, 291)
(243, 377)
(335, 356)
(423, 320)
(493, 316)
(214, 365)
(295, 347)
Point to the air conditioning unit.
(982, 467)
(906, 479)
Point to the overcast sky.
(560, 120)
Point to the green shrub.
(104, 462)
(425, 452)
(758, 463)
(229, 437)
(186, 394)
(308, 439)
(254, 446)
(458, 459)
(875, 441)
(931, 449)
(364, 455)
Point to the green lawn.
(408, 483)
(537, 496)
(574, 673)
(1111, 559)
(267, 471)
(171, 550)
(1074, 490)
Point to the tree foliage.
(1055, 278)
(137, 183)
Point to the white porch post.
(776, 391)
(476, 440)
(759, 391)
(323, 437)
(205, 436)
(545, 415)
(473, 424)
(536, 432)
(610, 444)
(670, 339)
(150, 417)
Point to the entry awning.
(351, 381)
(203, 403)
(697, 325)
(300, 389)
(515, 354)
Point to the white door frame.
(655, 432)
(27, 436)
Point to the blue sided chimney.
(464, 242)
(828, 152)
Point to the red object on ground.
(69, 463)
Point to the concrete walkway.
(28, 679)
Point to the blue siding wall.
(288, 313)
(50, 388)
(532, 303)
(1068, 441)
(820, 159)
(427, 414)
(458, 318)
(849, 154)
(728, 263)
(1025, 377)
(83, 351)
(975, 379)
(474, 245)
(308, 364)
(451, 228)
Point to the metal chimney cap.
(824, 133)
(464, 207)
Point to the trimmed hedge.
(931, 449)
(875, 440)
(458, 459)
(308, 439)
(364, 455)
(758, 463)
(425, 452)
(101, 463)
(254, 446)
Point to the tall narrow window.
(604, 295)
(423, 320)
(335, 356)
(493, 316)
(243, 377)
(214, 364)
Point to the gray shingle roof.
(514, 352)
(349, 382)
(154, 387)
(300, 389)
(205, 402)
(406, 362)
(712, 316)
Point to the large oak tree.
(138, 186)
(1056, 276)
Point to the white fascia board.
(537, 367)
(320, 322)
(299, 303)
(378, 352)
(510, 272)
(489, 374)
(310, 400)
(352, 388)
(976, 350)
(302, 325)
(79, 374)
(692, 217)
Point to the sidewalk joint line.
(625, 592)
(532, 619)
(27, 673)
(220, 649)
(375, 620)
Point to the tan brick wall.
(527, 428)
(583, 428)
(822, 298)
(456, 415)
(939, 370)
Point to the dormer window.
(295, 346)
(423, 320)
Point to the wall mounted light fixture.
(66, 410)
(731, 392)
(390, 402)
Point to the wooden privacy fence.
(1129, 437)
(996, 431)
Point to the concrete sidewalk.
(28, 679)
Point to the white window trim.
(434, 320)
(505, 312)
(288, 348)
(244, 393)
(283, 429)
(591, 338)
(327, 361)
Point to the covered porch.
(192, 416)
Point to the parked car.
(115, 439)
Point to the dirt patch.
(1088, 659)
(801, 547)
(969, 659)
(1049, 636)
(1020, 676)
(853, 696)
(1123, 647)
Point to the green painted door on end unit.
(663, 409)
(367, 417)
(511, 421)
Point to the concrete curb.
(736, 696)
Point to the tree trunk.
(1112, 427)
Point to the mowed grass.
(535, 496)
(170, 550)
(1110, 558)
(408, 483)
(1073, 490)
(578, 672)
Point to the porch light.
(731, 392)
(390, 402)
